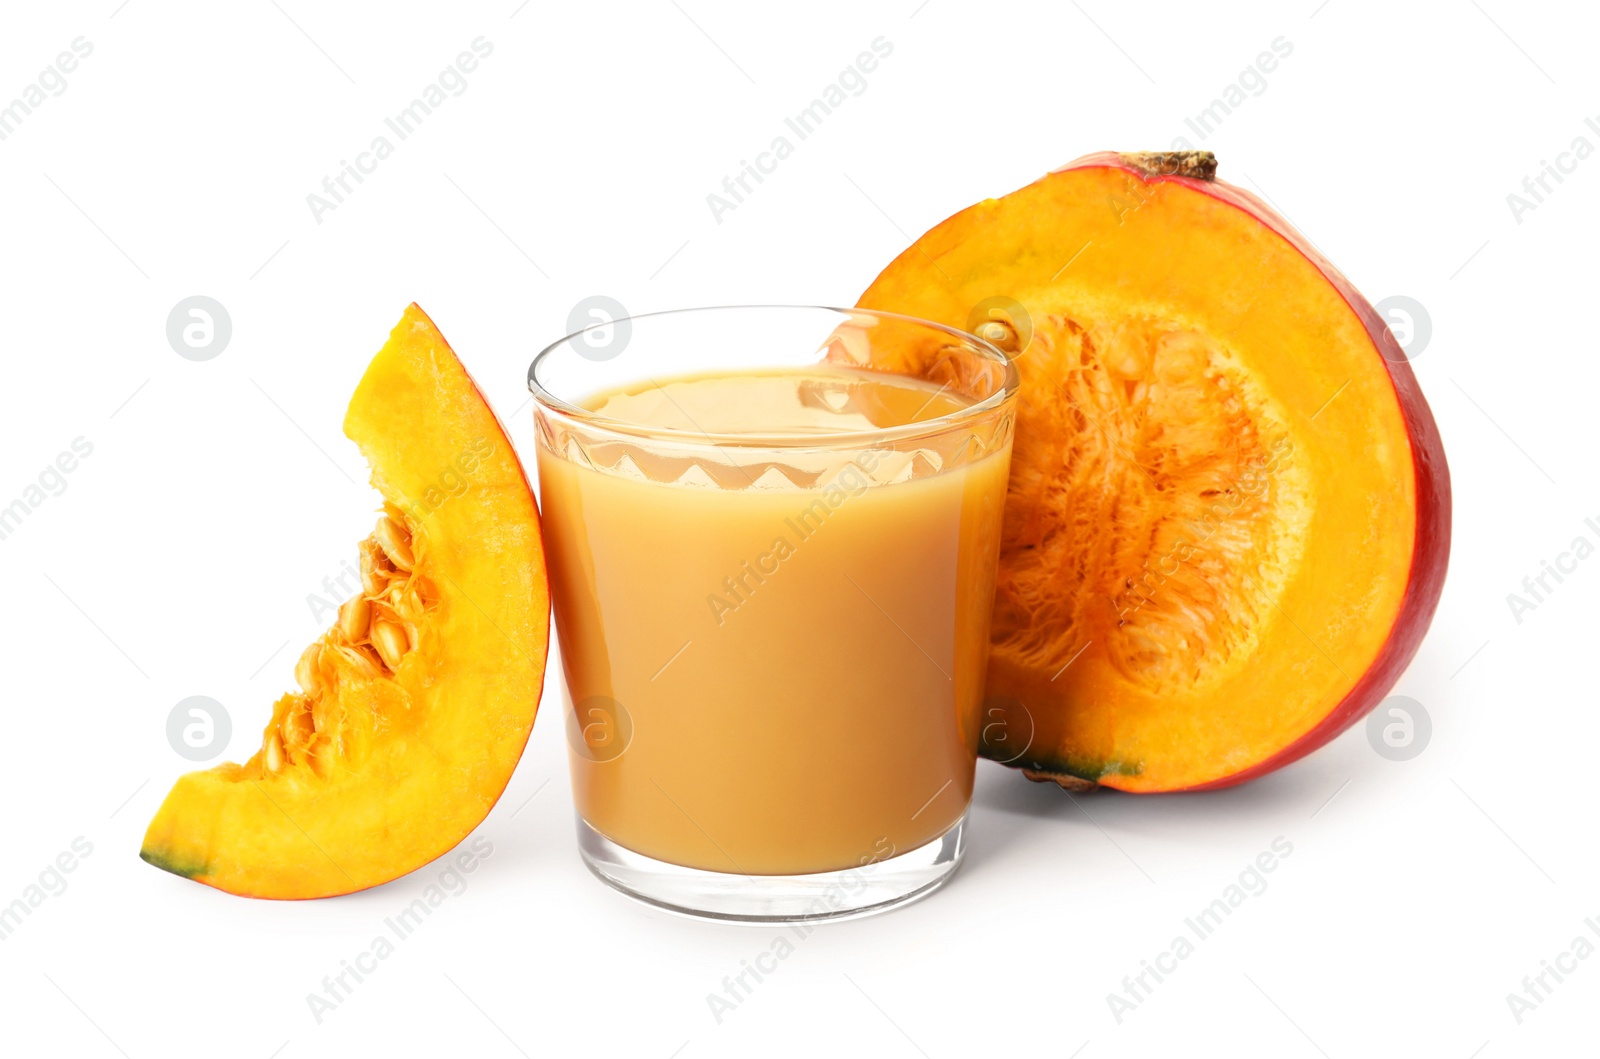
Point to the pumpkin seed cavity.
(1155, 503)
(370, 639)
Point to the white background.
(219, 494)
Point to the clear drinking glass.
(773, 631)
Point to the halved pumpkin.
(1229, 512)
(415, 707)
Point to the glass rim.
(549, 402)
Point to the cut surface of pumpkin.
(1228, 518)
(414, 707)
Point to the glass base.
(871, 888)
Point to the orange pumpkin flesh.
(409, 723)
(1228, 518)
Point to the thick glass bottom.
(877, 886)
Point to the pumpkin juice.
(775, 666)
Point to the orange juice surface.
(776, 664)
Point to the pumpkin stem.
(1198, 165)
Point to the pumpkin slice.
(414, 709)
(1229, 512)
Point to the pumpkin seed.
(305, 670)
(390, 640)
(355, 617)
(374, 568)
(394, 541)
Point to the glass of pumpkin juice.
(772, 536)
